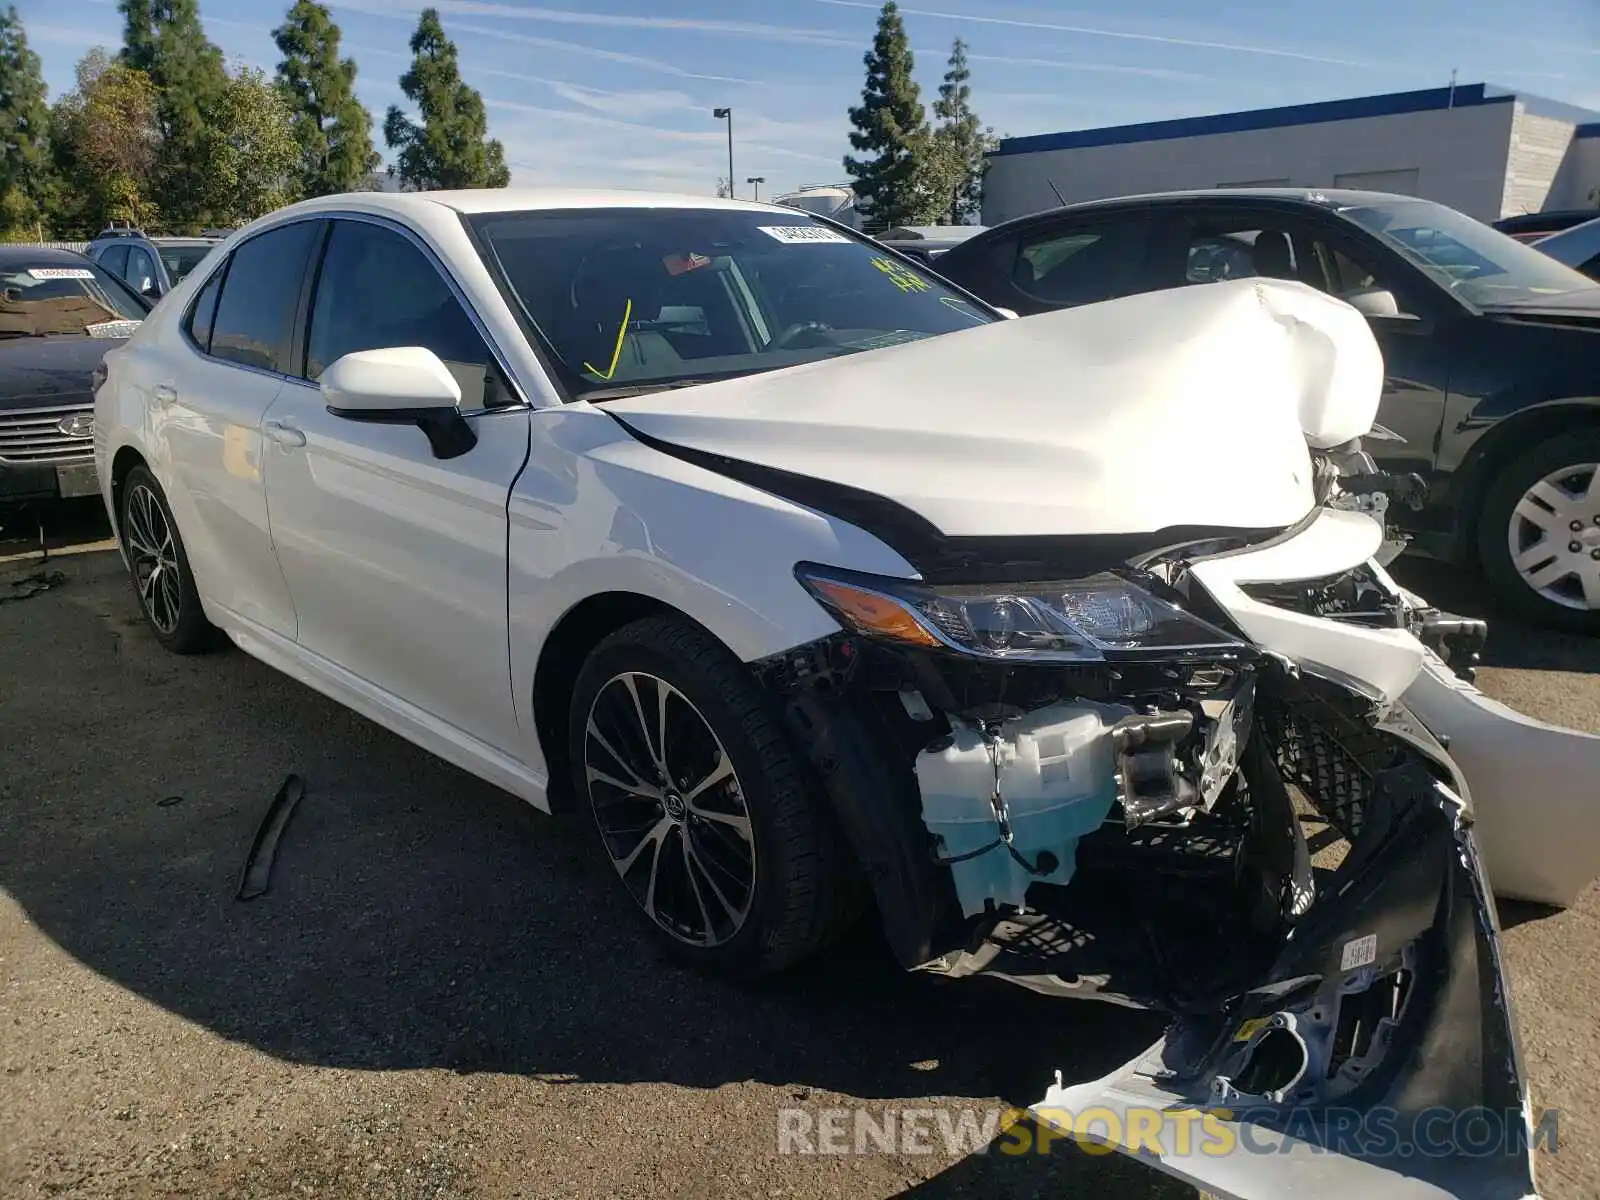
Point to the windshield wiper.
(661, 385)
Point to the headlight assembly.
(1081, 620)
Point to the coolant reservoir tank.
(1057, 777)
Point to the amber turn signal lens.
(873, 614)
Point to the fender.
(630, 519)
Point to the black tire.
(799, 864)
(171, 606)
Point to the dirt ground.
(442, 994)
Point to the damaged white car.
(811, 580)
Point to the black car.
(59, 314)
(1530, 227)
(1492, 351)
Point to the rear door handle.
(284, 435)
(166, 393)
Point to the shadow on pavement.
(57, 525)
(417, 917)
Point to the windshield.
(1481, 265)
(180, 260)
(51, 299)
(637, 298)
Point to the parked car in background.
(1578, 247)
(1532, 227)
(59, 314)
(152, 266)
(927, 242)
(1492, 351)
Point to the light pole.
(726, 114)
(756, 181)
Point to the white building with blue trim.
(1485, 150)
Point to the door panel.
(207, 398)
(397, 560)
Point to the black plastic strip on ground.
(264, 850)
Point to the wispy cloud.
(557, 16)
(1094, 67)
(1092, 31)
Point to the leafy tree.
(106, 144)
(451, 148)
(253, 155)
(331, 127)
(891, 130)
(163, 38)
(25, 174)
(957, 164)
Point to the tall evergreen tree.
(331, 127)
(451, 148)
(961, 142)
(891, 130)
(25, 173)
(163, 38)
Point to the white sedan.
(816, 581)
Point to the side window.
(255, 315)
(141, 271)
(1062, 267)
(115, 260)
(377, 289)
(1219, 251)
(204, 310)
(1371, 291)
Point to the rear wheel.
(699, 802)
(159, 567)
(1539, 533)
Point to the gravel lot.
(442, 995)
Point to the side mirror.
(400, 385)
(1373, 302)
(147, 287)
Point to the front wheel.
(699, 803)
(1539, 533)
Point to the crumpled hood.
(1190, 407)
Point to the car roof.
(39, 256)
(522, 199)
(1326, 199)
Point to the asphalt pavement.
(443, 995)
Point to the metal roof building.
(1485, 150)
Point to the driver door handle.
(284, 435)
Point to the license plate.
(77, 481)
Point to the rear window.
(635, 299)
(180, 260)
(46, 298)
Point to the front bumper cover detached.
(1376, 1055)
(1377, 1058)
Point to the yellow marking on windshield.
(616, 354)
(901, 275)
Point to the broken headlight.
(1081, 620)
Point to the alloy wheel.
(153, 553)
(1554, 537)
(670, 808)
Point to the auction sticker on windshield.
(60, 273)
(799, 235)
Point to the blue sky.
(620, 92)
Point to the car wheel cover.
(153, 557)
(1554, 537)
(670, 809)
